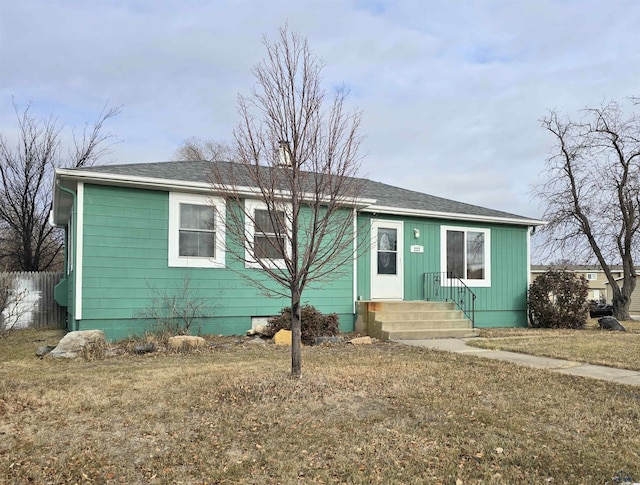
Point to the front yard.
(591, 345)
(384, 413)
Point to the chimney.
(284, 154)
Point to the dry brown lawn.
(591, 345)
(384, 413)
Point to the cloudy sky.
(452, 92)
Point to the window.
(592, 276)
(266, 235)
(465, 254)
(196, 231)
(387, 250)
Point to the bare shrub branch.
(176, 310)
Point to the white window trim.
(175, 260)
(589, 276)
(250, 205)
(483, 283)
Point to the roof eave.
(453, 216)
(154, 183)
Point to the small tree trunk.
(296, 335)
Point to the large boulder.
(282, 337)
(262, 330)
(610, 323)
(186, 342)
(73, 344)
(361, 341)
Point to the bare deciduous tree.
(592, 193)
(29, 243)
(300, 151)
(195, 148)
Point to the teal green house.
(130, 235)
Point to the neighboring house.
(634, 306)
(598, 285)
(123, 244)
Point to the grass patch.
(385, 413)
(590, 345)
(22, 344)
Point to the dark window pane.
(264, 223)
(268, 247)
(387, 239)
(197, 244)
(197, 217)
(387, 262)
(475, 255)
(387, 250)
(455, 254)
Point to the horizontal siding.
(126, 266)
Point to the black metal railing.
(445, 287)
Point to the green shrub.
(558, 299)
(314, 324)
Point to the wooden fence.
(30, 302)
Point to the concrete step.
(410, 305)
(401, 325)
(427, 334)
(389, 316)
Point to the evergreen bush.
(558, 299)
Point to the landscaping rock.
(44, 350)
(282, 337)
(610, 323)
(73, 343)
(257, 341)
(258, 330)
(329, 340)
(145, 348)
(361, 341)
(183, 342)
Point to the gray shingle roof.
(386, 195)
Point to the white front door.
(387, 282)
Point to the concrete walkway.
(459, 345)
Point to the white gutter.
(451, 215)
(355, 259)
(79, 249)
